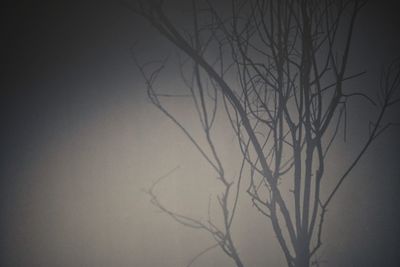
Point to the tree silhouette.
(278, 69)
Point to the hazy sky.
(80, 141)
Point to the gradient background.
(80, 141)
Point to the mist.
(81, 143)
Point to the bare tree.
(278, 69)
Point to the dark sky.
(67, 78)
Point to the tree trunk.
(302, 255)
(302, 261)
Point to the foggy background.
(80, 141)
